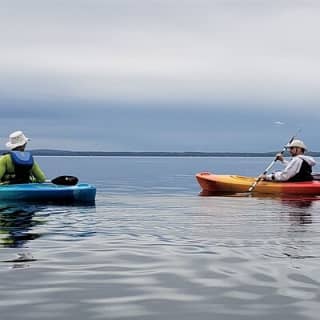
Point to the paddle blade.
(65, 180)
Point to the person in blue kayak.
(298, 169)
(18, 165)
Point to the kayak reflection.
(294, 199)
(297, 207)
(299, 210)
(16, 224)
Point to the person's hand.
(279, 157)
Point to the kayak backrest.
(316, 176)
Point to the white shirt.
(292, 168)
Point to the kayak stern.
(48, 192)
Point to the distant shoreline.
(154, 154)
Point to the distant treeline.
(48, 152)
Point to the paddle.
(270, 165)
(65, 180)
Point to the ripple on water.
(156, 257)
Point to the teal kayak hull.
(48, 192)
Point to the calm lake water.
(152, 248)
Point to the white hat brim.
(11, 146)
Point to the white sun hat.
(297, 144)
(16, 139)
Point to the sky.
(160, 75)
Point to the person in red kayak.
(18, 165)
(298, 169)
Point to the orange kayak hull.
(215, 184)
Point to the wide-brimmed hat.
(296, 144)
(16, 139)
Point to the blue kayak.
(48, 192)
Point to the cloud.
(150, 75)
(86, 126)
(169, 51)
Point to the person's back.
(18, 165)
(304, 171)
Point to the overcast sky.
(165, 75)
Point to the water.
(151, 248)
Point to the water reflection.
(299, 211)
(16, 224)
(299, 214)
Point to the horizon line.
(57, 152)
